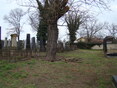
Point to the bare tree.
(14, 20)
(101, 34)
(34, 20)
(112, 29)
(74, 20)
(90, 29)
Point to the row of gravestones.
(21, 44)
(30, 45)
(64, 46)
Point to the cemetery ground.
(76, 69)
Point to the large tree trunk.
(52, 41)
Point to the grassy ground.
(92, 71)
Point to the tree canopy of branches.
(74, 20)
(112, 30)
(91, 28)
(34, 20)
(14, 20)
(55, 9)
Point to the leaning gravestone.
(114, 79)
(28, 42)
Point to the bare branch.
(14, 20)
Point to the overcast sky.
(110, 16)
(6, 6)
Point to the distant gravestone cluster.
(21, 44)
(65, 46)
(18, 49)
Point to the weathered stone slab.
(13, 40)
(33, 45)
(114, 79)
(5, 42)
(28, 47)
(20, 45)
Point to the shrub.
(83, 45)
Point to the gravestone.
(2, 43)
(33, 43)
(13, 48)
(114, 79)
(5, 42)
(105, 41)
(60, 47)
(9, 43)
(64, 43)
(28, 42)
(20, 44)
(67, 47)
(24, 42)
(13, 40)
(38, 45)
(110, 46)
(42, 44)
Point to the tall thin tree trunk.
(52, 42)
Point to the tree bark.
(52, 41)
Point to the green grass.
(94, 71)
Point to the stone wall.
(97, 47)
(111, 48)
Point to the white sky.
(7, 5)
